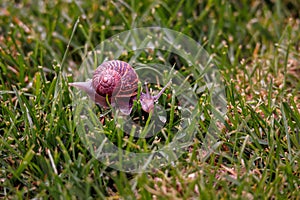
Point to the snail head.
(148, 101)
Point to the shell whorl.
(115, 78)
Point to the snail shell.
(117, 81)
(115, 78)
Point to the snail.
(117, 81)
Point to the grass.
(255, 46)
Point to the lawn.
(47, 149)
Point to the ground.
(255, 46)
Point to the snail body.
(117, 81)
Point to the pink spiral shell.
(115, 78)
